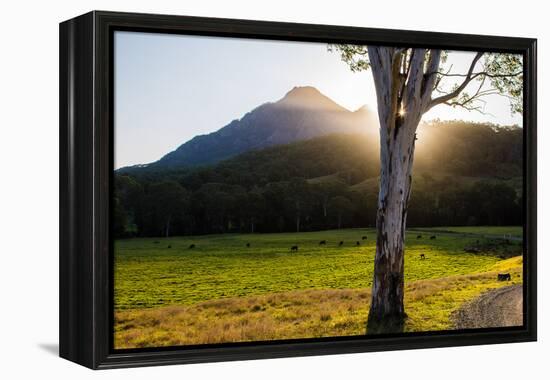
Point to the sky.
(170, 88)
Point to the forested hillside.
(464, 174)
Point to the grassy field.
(222, 291)
(489, 230)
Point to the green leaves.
(500, 73)
(505, 72)
(356, 56)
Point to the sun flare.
(402, 111)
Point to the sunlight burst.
(402, 111)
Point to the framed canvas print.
(236, 189)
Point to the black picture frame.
(86, 169)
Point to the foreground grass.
(302, 314)
(149, 274)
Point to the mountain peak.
(302, 91)
(303, 113)
(310, 98)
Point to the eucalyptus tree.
(409, 82)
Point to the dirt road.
(496, 308)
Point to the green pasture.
(497, 231)
(150, 274)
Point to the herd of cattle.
(294, 248)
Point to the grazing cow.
(169, 246)
(341, 243)
(471, 250)
(433, 237)
(419, 236)
(504, 277)
(156, 242)
(192, 246)
(294, 248)
(422, 256)
(357, 243)
(247, 245)
(364, 238)
(323, 242)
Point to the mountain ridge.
(458, 166)
(303, 113)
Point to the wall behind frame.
(29, 195)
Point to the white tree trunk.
(387, 311)
(402, 99)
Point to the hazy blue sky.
(170, 88)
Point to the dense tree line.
(316, 185)
(469, 149)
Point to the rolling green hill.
(464, 174)
(459, 149)
(425, 179)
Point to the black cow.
(294, 248)
(357, 243)
(433, 237)
(169, 246)
(419, 236)
(471, 250)
(504, 277)
(192, 246)
(422, 256)
(323, 242)
(364, 238)
(156, 242)
(247, 245)
(341, 243)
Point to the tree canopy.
(489, 73)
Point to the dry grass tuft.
(300, 314)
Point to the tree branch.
(414, 78)
(438, 81)
(406, 72)
(467, 103)
(459, 89)
(467, 107)
(430, 80)
(481, 73)
(398, 51)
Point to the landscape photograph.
(277, 190)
